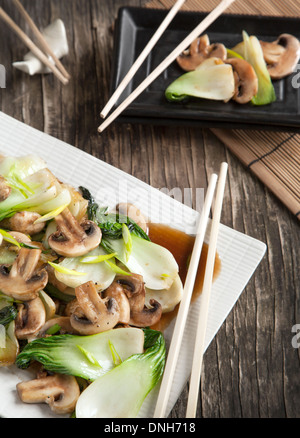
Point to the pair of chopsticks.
(208, 20)
(176, 341)
(43, 55)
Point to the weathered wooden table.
(251, 368)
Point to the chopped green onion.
(54, 329)
(127, 241)
(66, 271)
(116, 268)
(233, 54)
(115, 356)
(51, 215)
(97, 259)
(89, 356)
(9, 238)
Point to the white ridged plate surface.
(240, 254)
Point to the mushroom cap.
(73, 239)
(133, 213)
(246, 82)
(281, 55)
(59, 391)
(31, 318)
(199, 50)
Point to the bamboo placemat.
(274, 157)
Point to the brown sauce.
(181, 245)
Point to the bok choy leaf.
(121, 392)
(70, 354)
(155, 263)
(212, 80)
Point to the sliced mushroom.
(246, 82)
(20, 237)
(60, 392)
(133, 213)
(281, 55)
(23, 221)
(5, 190)
(94, 314)
(73, 239)
(31, 318)
(23, 281)
(200, 50)
(140, 314)
(116, 291)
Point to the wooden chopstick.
(43, 43)
(141, 58)
(174, 349)
(205, 297)
(30, 44)
(208, 20)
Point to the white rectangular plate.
(240, 254)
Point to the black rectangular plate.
(134, 28)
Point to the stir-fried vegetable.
(155, 263)
(212, 80)
(100, 281)
(9, 352)
(100, 273)
(121, 392)
(7, 314)
(252, 52)
(111, 224)
(70, 354)
(33, 187)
